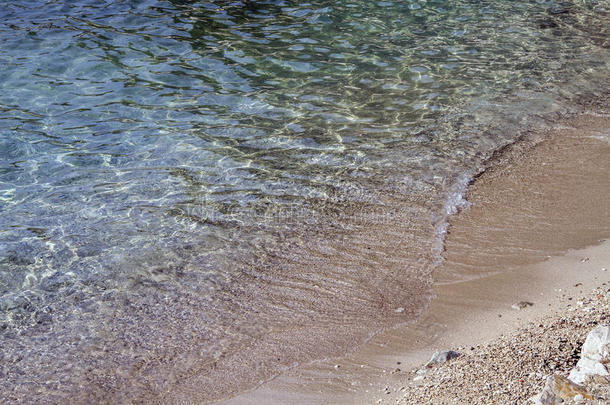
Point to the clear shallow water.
(189, 188)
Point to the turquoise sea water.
(195, 190)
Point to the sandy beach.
(535, 232)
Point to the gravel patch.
(513, 368)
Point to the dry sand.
(513, 367)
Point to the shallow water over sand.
(532, 211)
(192, 191)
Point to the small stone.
(337, 366)
(442, 357)
(558, 388)
(521, 304)
(418, 378)
(399, 310)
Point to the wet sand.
(538, 213)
